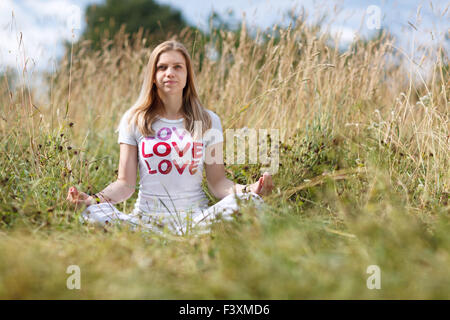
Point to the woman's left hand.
(263, 186)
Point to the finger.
(268, 185)
(77, 203)
(259, 187)
(83, 196)
(69, 196)
(76, 195)
(267, 176)
(268, 180)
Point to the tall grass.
(363, 177)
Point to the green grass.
(315, 243)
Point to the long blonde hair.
(148, 106)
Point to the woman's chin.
(172, 91)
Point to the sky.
(32, 31)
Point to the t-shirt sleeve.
(126, 135)
(215, 134)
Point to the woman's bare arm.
(123, 188)
(119, 190)
(220, 185)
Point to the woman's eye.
(161, 67)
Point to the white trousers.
(180, 223)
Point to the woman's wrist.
(246, 188)
(239, 188)
(94, 199)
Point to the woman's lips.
(170, 82)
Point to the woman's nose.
(170, 71)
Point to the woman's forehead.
(171, 57)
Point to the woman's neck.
(172, 106)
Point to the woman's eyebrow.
(165, 64)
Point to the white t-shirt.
(170, 164)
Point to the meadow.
(363, 178)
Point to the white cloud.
(31, 32)
(346, 35)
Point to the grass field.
(364, 175)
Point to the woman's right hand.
(263, 186)
(79, 198)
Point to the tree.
(105, 20)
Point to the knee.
(250, 197)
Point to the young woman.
(171, 137)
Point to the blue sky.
(42, 25)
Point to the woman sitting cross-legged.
(172, 137)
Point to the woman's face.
(171, 73)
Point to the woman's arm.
(123, 188)
(220, 185)
(119, 190)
